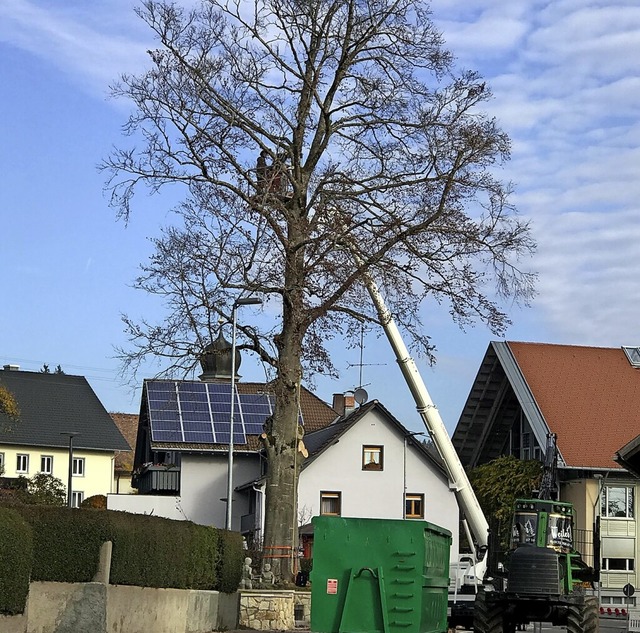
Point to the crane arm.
(458, 480)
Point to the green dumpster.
(379, 575)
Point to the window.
(414, 506)
(617, 501)
(330, 503)
(633, 355)
(618, 564)
(22, 463)
(78, 466)
(77, 498)
(622, 601)
(46, 464)
(1, 462)
(372, 458)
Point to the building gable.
(588, 396)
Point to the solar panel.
(182, 411)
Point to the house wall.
(203, 491)
(618, 533)
(619, 539)
(377, 494)
(98, 478)
(204, 498)
(165, 506)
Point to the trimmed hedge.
(231, 560)
(66, 543)
(148, 551)
(16, 556)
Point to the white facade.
(378, 493)
(203, 491)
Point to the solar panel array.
(182, 411)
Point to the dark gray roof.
(54, 403)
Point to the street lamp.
(238, 302)
(71, 435)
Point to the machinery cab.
(542, 559)
(543, 523)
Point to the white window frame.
(22, 463)
(372, 457)
(78, 467)
(44, 460)
(629, 502)
(625, 565)
(77, 497)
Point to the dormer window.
(633, 355)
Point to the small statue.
(247, 573)
(267, 575)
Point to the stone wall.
(97, 608)
(264, 610)
(302, 608)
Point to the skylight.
(633, 354)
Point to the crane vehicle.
(544, 577)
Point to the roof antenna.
(360, 394)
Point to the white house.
(367, 464)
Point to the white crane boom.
(458, 480)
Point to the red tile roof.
(127, 423)
(589, 396)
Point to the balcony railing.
(158, 480)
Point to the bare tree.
(299, 127)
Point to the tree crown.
(305, 131)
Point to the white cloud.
(564, 76)
(93, 43)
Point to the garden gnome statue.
(267, 575)
(245, 583)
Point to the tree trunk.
(283, 434)
(284, 462)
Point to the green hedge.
(230, 563)
(148, 551)
(16, 556)
(66, 543)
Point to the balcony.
(157, 480)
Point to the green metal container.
(384, 575)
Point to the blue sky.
(566, 85)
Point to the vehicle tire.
(487, 618)
(584, 618)
(591, 615)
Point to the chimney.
(11, 368)
(344, 403)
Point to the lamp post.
(71, 435)
(238, 302)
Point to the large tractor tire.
(584, 618)
(487, 618)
